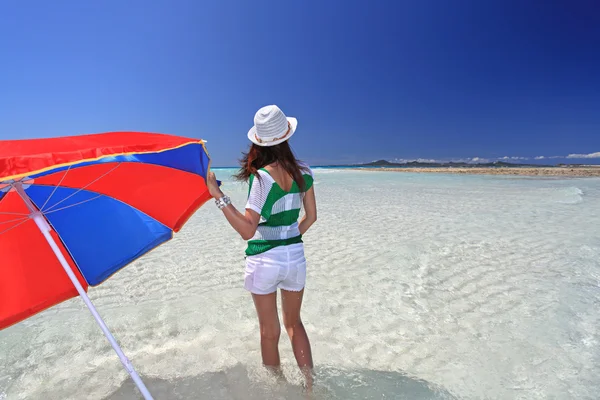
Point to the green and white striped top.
(279, 211)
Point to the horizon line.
(367, 165)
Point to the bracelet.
(223, 202)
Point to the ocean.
(420, 286)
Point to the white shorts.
(283, 267)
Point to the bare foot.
(308, 380)
(277, 372)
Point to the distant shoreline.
(522, 171)
(581, 171)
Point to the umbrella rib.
(12, 213)
(72, 205)
(82, 188)
(14, 220)
(14, 226)
(56, 187)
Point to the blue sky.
(367, 80)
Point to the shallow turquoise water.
(419, 286)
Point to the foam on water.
(419, 286)
(573, 195)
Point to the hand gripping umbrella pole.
(45, 229)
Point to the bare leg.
(270, 330)
(291, 304)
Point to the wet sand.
(525, 171)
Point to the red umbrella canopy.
(108, 198)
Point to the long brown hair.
(259, 157)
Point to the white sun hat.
(271, 127)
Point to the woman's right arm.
(310, 210)
(244, 224)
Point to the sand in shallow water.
(469, 286)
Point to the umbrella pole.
(44, 227)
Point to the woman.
(279, 186)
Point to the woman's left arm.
(244, 224)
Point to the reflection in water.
(240, 382)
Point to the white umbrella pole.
(43, 226)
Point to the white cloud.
(427, 160)
(478, 160)
(506, 158)
(470, 160)
(481, 160)
(591, 155)
(421, 160)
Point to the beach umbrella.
(75, 210)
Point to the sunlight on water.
(419, 287)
